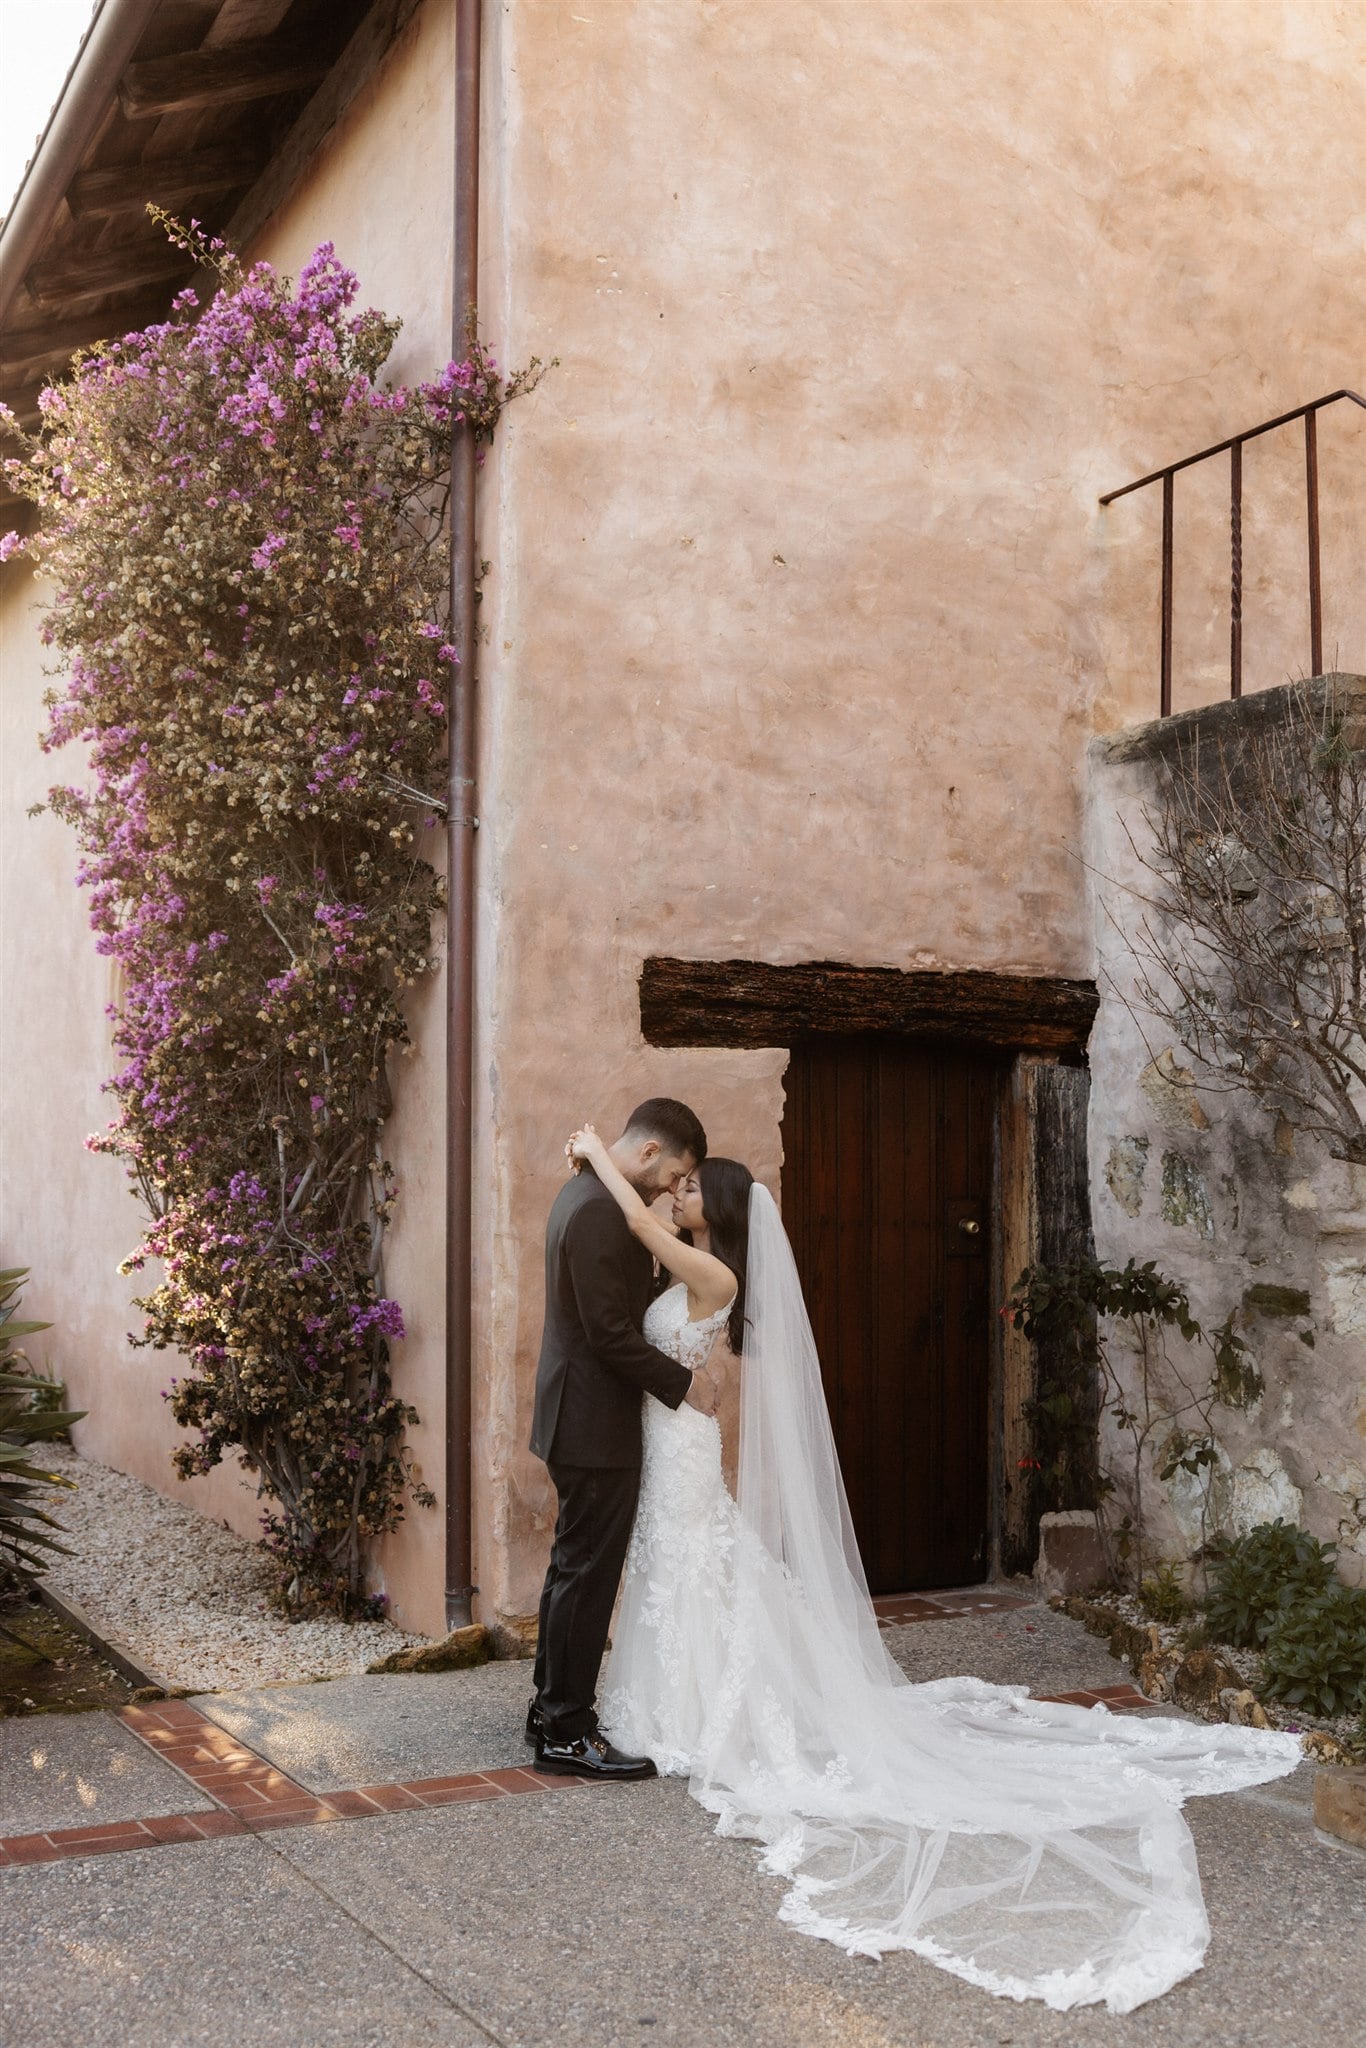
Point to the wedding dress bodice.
(668, 1329)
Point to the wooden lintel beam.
(79, 277)
(750, 1002)
(169, 181)
(193, 80)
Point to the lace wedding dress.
(1036, 1850)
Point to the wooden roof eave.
(89, 92)
(59, 292)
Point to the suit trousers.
(592, 1531)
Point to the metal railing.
(1234, 445)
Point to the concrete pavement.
(582, 1919)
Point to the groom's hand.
(704, 1393)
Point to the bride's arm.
(709, 1280)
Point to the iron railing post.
(1311, 485)
(1168, 494)
(1235, 588)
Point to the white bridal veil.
(1037, 1851)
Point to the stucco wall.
(802, 607)
(1251, 1215)
(65, 1212)
(381, 191)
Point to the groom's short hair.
(677, 1127)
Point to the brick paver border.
(251, 1795)
(895, 1609)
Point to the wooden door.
(886, 1192)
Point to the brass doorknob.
(969, 1226)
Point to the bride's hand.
(584, 1144)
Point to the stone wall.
(1228, 1198)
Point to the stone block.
(1071, 1554)
(514, 1635)
(459, 1651)
(1340, 1804)
(1200, 1678)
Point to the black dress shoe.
(591, 1756)
(535, 1727)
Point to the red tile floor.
(250, 1794)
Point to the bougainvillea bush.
(244, 529)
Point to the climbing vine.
(1160, 1410)
(244, 527)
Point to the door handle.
(969, 1226)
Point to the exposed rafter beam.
(86, 98)
(170, 181)
(27, 351)
(78, 277)
(197, 79)
(357, 63)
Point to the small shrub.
(1274, 1566)
(1316, 1651)
(1163, 1596)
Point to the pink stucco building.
(800, 614)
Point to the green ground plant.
(28, 1533)
(1253, 1577)
(1078, 1315)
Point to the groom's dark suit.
(594, 1368)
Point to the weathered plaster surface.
(800, 594)
(1251, 1217)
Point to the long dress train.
(1036, 1850)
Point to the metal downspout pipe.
(461, 825)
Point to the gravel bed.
(189, 1596)
(1250, 1666)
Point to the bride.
(1036, 1850)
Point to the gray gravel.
(189, 1596)
(370, 1731)
(1029, 1646)
(79, 1770)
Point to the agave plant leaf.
(9, 1328)
(40, 1426)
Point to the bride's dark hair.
(725, 1186)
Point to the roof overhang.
(211, 108)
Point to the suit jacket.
(595, 1364)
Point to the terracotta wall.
(802, 606)
(801, 609)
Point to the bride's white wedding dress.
(1036, 1850)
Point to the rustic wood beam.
(25, 351)
(194, 80)
(77, 277)
(169, 181)
(750, 1002)
(359, 60)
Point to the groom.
(594, 1367)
